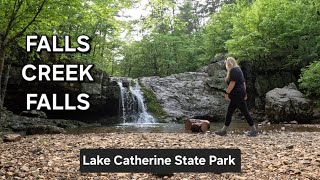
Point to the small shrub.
(310, 79)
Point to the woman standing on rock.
(236, 94)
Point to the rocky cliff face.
(264, 76)
(200, 94)
(104, 96)
(187, 95)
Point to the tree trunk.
(6, 77)
(129, 71)
(94, 50)
(112, 66)
(1, 71)
(102, 48)
(197, 125)
(155, 67)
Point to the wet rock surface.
(268, 156)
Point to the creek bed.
(236, 127)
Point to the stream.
(236, 127)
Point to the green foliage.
(310, 79)
(160, 20)
(152, 103)
(42, 142)
(94, 18)
(172, 44)
(161, 55)
(266, 30)
(219, 30)
(277, 29)
(175, 37)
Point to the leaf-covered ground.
(293, 155)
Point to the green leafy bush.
(310, 79)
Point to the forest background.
(174, 36)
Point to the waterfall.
(143, 115)
(132, 105)
(123, 97)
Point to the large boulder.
(287, 104)
(187, 95)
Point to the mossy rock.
(152, 103)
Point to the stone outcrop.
(216, 74)
(288, 103)
(187, 95)
(104, 96)
(10, 122)
(12, 137)
(44, 129)
(34, 113)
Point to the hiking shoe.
(252, 133)
(221, 133)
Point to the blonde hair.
(230, 63)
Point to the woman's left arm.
(229, 89)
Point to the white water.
(132, 105)
(122, 97)
(143, 115)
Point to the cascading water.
(123, 96)
(143, 116)
(132, 105)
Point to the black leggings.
(238, 102)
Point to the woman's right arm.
(245, 90)
(229, 89)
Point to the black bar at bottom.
(160, 160)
